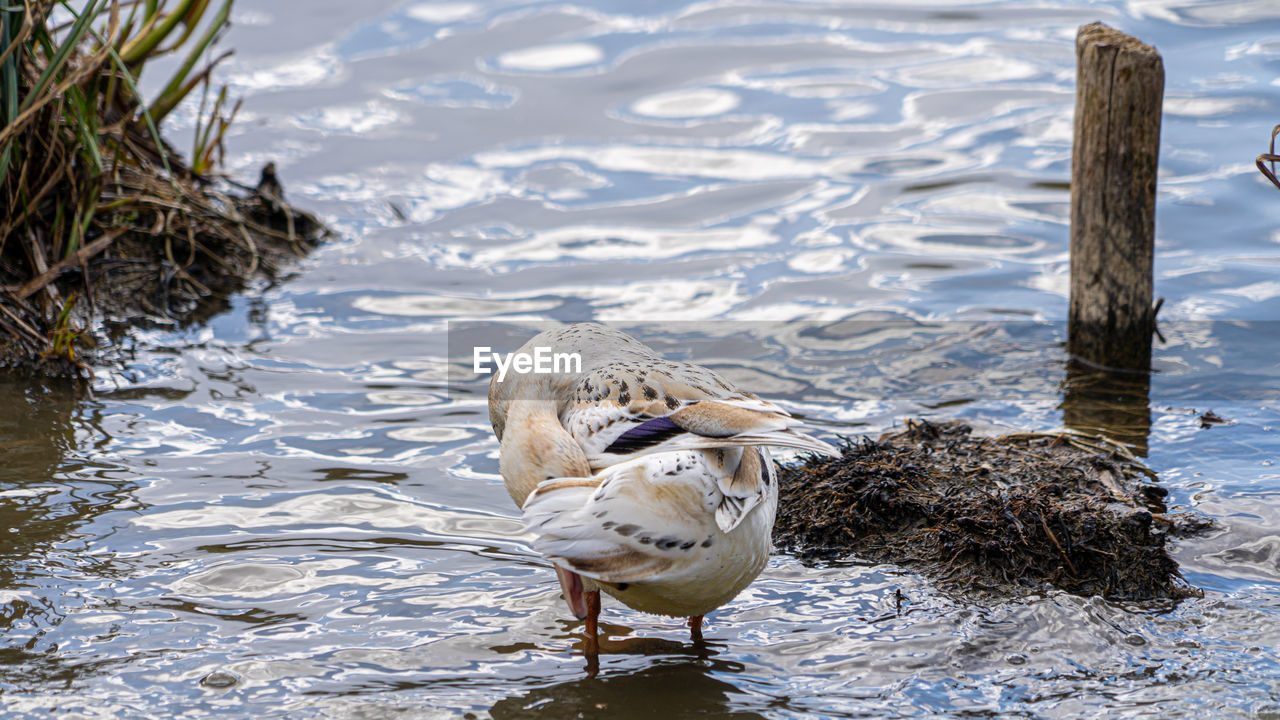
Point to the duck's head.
(536, 447)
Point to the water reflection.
(49, 496)
(684, 688)
(1114, 403)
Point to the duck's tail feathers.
(565, 515)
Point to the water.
(288, 512)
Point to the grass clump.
(99, 217)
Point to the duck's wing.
(634, 521)
(629, 409)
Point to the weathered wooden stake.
(1119, 91)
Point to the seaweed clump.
(989, 515)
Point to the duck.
(647, 479)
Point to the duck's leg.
(695, 628)
(591, 647)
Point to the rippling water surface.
(287, 511)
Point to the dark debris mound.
(1001, 516)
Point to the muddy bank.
(995, 516)
(168, 250)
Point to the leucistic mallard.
(645, 478)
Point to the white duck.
(642, 477)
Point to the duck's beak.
(571, 585)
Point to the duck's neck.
(536, 447)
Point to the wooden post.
(1119, 91)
